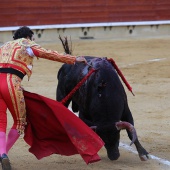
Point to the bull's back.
(68, 77)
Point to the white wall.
(50, 33)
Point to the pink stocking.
(2, 142)
(12, 138)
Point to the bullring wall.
(50, 33)
(86, 19)
(52, 12)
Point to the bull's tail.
(66, 46)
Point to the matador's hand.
(81, 59)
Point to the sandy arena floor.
(150, 79)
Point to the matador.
(16, 61)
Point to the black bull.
(101, 102)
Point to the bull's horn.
(93, 127)
(129, 127)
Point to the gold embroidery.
(17, 97)
(11, 93)
(14, 52)
(54, 55)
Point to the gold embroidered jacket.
(19, 54)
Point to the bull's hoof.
(143, 154)
(144, 157)
(113, 155)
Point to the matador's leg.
(16, 104)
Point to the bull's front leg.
(143, 154)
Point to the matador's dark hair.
(23, 32)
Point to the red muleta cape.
(53, 129)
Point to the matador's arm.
(52, 55)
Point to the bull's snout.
(120, 126)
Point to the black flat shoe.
(5, 162)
